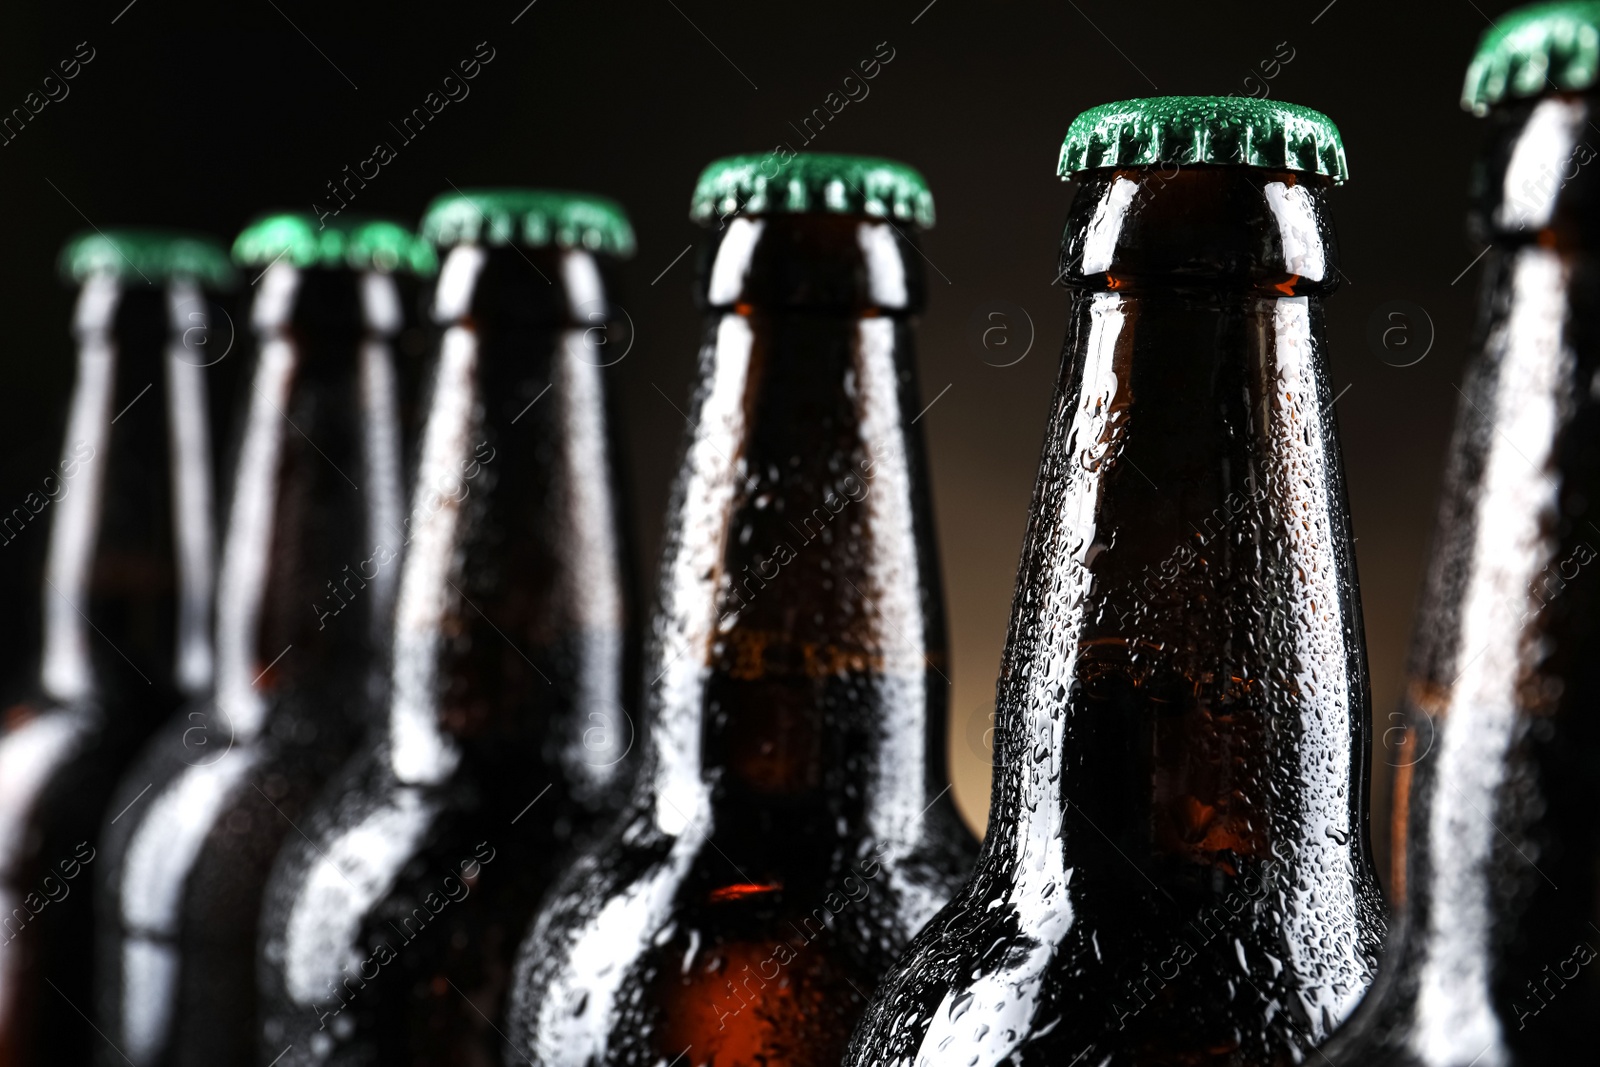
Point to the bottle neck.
(1181, 723)
(128, 576)
(1534, 184)
(1495, 770)
(300, 608)
(512, 627)
(798, 660)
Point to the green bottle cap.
(1178, 130)
(1532, 50)
(355, 243)
(536, 218)
(812, 182)
(151, 256)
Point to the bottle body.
(1176, 868)
(791, 829)
(1491, 962)
(390, 928)
(126, 638)
(198, 818)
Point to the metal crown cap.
(353, 243)
(534, 218)
(812, 182)
(1545, 47)
(1181, 130)
(151, 256)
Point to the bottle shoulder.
(48, 758)
(392, 885)
(400, 840)
(680, 915)
(1012, 973)
(1381, 1031)
(329, 885)
(205, 804)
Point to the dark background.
(197, 117)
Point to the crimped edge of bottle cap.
(812, 182)
(1236, 130)
(152, 256)
(534, 218)
(301, 239)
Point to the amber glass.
(1495, 957)
(792, 827)
(126, 639)
(197, 819)
(390, 927)
(1176, 869)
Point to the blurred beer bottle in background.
(1176, 869)
(1496, 960)
(304, 595)
(127, 602)
(792, 827)
(391, 926)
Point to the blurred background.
(202, 116)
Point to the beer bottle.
(390, 927)
(302, 597)
(126, 597)
(792, 827)
(1176, 869)
(1494, 961)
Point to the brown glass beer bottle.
(1176, 869)
(127, 601)
(1496, 957)
(300, 612)
(792, 827)
(390, 927)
